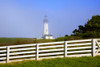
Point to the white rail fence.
(74, 48)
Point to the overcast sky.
(24, 18)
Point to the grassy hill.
(15, 41)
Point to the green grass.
(15, 41)
(58, 62)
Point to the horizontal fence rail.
(74, 48)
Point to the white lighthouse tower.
(46, 34)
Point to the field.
(15, 41)
(58, 62)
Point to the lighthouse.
(46, 34)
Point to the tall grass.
(58, 62)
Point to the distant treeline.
(90, 30)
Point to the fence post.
(93, 47)
(8, 51)
(65, 48)
(37, 51)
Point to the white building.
(46, 34)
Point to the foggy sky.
(24, 18)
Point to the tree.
(66, 35)
(90, 30)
